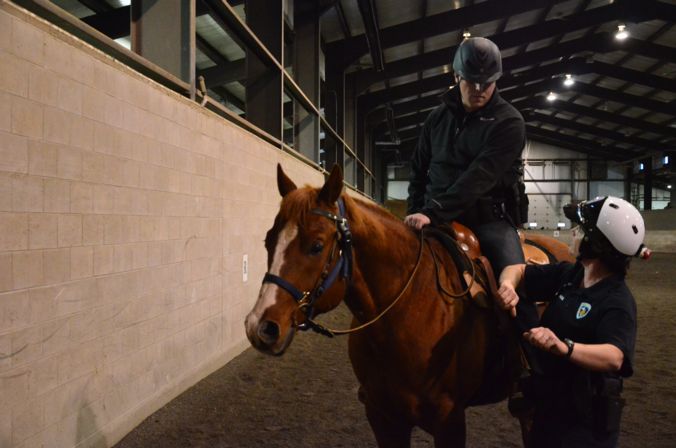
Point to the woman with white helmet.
(588, 331)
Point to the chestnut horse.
(423, 357)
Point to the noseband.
(343, 267)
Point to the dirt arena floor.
(308, 398)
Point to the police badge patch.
(583, 310)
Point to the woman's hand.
(417, 220)
(545, 339)
(507, 297)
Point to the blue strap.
(288, 287)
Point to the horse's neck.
(385, 253)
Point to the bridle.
(343, 268)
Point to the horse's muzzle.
(265, 336)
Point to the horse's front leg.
(451, 434)
(390, 432)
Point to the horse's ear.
(284, 184)
(332, 187)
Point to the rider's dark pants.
(501, 245)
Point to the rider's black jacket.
(465, 162)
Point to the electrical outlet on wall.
(245, 268)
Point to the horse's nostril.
(268, 331)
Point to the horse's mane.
(299, 202)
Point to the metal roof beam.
(349, 50)
(369, 16)
(567, 106)
(514, 38)
(592, 130)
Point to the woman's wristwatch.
(570, 344)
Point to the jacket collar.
(451, 98)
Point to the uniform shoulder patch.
(583, 310)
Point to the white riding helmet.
(609, 221)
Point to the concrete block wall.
(125, 213)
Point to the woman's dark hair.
(615, 261)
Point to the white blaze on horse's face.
(268, 292)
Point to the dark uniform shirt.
(565, 395)
(463, 158)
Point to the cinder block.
(93, 167)
(56, 266)
(5, 192)
(91, 104)
(6, 282)
(27, 117)
(5, 43)
(55, 332)
(57, 125)
(81, 262)
(66, 399)
(81, 197)
(13, 231)
(70, 95)
(93, 229)
(43, 376)
(103, 260)
(42, 231)
(16, 311)
(80, 360)
(28, 42)
(82, 133)
(123, 257)
(27, 194)
(26, 346)
(70, 230)
(14, 387)
(43, 86)
(57, 195)
(104, 199)
(27, 269)
(42, 158)
(140, 255)
(69, 163)
(14, 74)
(13, 153)
(5, 115)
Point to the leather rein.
(343, 268)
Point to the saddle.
(456, 237)
(477, 274)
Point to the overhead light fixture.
(641, 167)
(669, 187)
(569, 81)
(622, 32)
(561, 225)
(466, 34)
(551, 96)
(666, 160)
(532, 225)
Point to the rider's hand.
(508, 298)
(545, 339)
(417, 220)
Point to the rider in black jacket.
(467, 164)
(466, 159)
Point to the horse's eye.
(317, 248)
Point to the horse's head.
(304, 249)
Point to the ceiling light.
(669, 187)
(621, 33)
(569, 81)
(552, 96)
(666, 160)
(466, 34)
